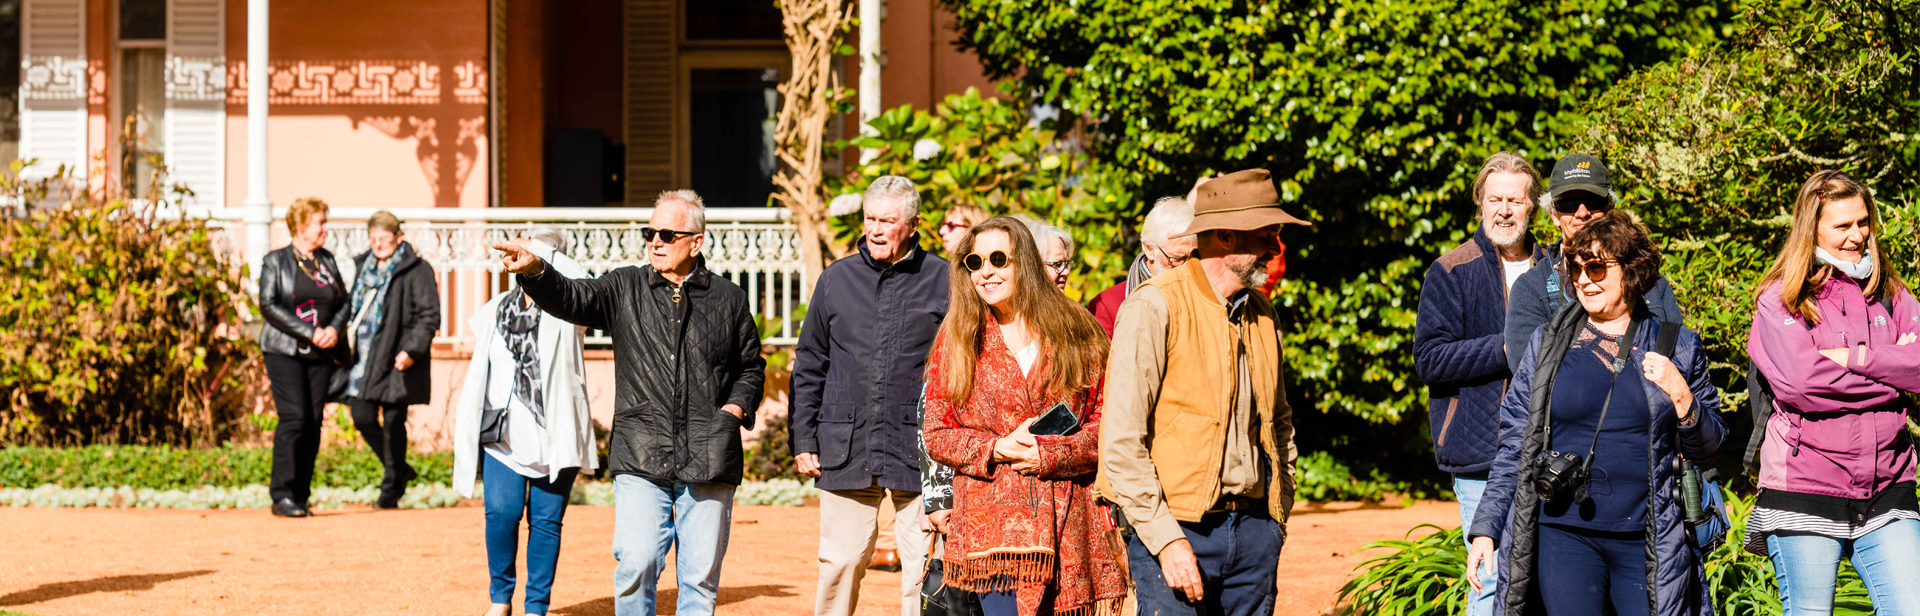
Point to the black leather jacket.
(284, 333)
(675, 365)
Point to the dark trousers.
(388, 442)
(508, 495)
(299, 398)
(1589, 572)
(1239, 557)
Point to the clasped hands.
(1019, 448)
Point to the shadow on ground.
(118, 583)
(665, 600)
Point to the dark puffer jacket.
(1460, 351)
(1540, 293)
(675, 365)
(411, 313)
(1510, 509)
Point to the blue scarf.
(370, 297)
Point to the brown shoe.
(885, 560)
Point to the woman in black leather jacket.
(304, 300)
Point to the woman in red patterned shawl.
(1025, 533)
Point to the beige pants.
(848, 525)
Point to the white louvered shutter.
(53, 85)
(197, 98)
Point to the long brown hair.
(1079, 345)
(1797, 269)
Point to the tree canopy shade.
(1372, 114)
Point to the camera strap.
(1620, 359)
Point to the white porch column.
(259, 207)
(869, 87)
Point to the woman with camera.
(1013, 399)
(1595, 426)
(1833, 328)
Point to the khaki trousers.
(849, 522)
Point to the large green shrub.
(117, 324)
(172, 468)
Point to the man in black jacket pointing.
(688, 376)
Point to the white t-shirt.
(1027, 356)
(1515, 269)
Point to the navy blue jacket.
(1539, 293)
(1509, 511)
(1458, 350)
(858, 367)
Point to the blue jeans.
(507, 496)
(1468, 492)
(651, 516)
(1584, 572)
(1888, 560)
(1239, 557)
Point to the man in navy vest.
(1459, 347)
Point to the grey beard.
(1254, 276)
(1519, 234)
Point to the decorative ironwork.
(53, 78)
(400, 82)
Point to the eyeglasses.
(949, 225)
(1594, 204)
(998, 260)
(1172, 261)
(666, 235)
(1057, 266)
(1596, 270)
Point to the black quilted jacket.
(675, 365)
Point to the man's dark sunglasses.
(1570, 204)
(666, 235)
(974, 262)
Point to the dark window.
(732, 138)
(143, 20)
(732, 20)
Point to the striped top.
(1764, 521)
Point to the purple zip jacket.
(1837, 430)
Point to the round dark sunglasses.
(998, 259)
(1596, 269)
(666, 235)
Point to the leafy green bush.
(771, 457)
(118, 325)
(170, 468)
(1323, 478)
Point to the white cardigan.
(570, 442)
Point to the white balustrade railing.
(755, 248)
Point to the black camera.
(1560, 476)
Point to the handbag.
(493, 425)
(1704, 505)
(939, 599)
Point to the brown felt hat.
(1239, 201)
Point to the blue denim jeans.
(1468, 492)
(1239, 556)
(508, 494)
(1888, 560)
(651, 516)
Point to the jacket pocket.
(836, 434)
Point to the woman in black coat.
(306, 312)
(396, 308)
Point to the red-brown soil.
(60, 562)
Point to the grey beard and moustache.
(1519, 231)
(1254, 275)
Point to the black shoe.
(387, 501)
(286, 508)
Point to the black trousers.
(389, 441)
(299, 398)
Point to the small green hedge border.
(776, 493)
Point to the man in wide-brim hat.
(1196, 440)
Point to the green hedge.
(170, 468)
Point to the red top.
(1106, 306)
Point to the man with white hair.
(856, 386)
(687, 377)
(1159, 252)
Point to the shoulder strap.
(1668, 338)
(1760, 405)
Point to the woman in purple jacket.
(1833, 329)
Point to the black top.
(1899, 496)
(317, 295)
(1621, 463)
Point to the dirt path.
(61, 562)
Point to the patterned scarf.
(370, 298)
(518, 321)
(1138, 274)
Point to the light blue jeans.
(1468, 492)
(648, 518)
(1888, 560)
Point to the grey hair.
(696, 207)
(551, 237)
(1169, 216)
(1507, 162)
(899, 190)
(1042, 231)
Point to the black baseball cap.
(1582, 172)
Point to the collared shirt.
(1140, 340)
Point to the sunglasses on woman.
(666, 235)
(997, 259)
(1596, 270)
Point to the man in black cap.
(1578, 191)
